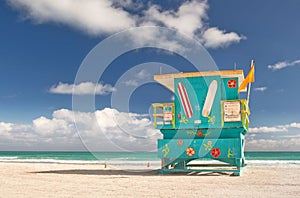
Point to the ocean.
(141, 159)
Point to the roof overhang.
(167, 80)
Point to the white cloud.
(295, 125)
(285, 144)
(98, 17)
(5, 127)
(278, 128)
(111, 130)
(283, 64)
(159, 37)
(136, 78)
(83, 88)
(128, 4)
(188, 18)
(261, 89)
(214, 38)
(143, 74)
(50, 127)
(135, 125)
(265, 129)
(94, 17)
(291, 136)
(103, 130)
(283, 138)
(132, 83)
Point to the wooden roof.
(167, 80)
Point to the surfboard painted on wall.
(185, 101)
(210, 97)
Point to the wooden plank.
(167, 80)
(223, 74)
(162, 104)
(158, 114)
(157, 104)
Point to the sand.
(65, 180)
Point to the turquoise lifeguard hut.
(206, 120)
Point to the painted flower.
(231, 83)
(179, 142)
(190, 151)
(200, 133)
(215, 152)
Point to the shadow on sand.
(126, 172)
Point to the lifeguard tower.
(207, 120)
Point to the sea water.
(138, 159)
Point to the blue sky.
(43, 43)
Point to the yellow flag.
(248, 79)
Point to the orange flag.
(249, 78)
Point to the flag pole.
(248, 96)
(249, 87)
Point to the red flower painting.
(231, 83)
(190, 151)
(200, 133)
(215, 152)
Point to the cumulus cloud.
(188, 18)
(160, 37)
(5, 127)
(261, 89)
(128, 4)
(278, 128)
(102, 130)
(274, 138)
(102, 17)
(132, 125)
(283, 64)
(111, 130)
(265, 129)
(267, 144)
(135, 79)
(143, 74)
(295, 125)
(94, 17)
(132, 83)
(83, 88)
(214, 38)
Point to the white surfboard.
(210, 97)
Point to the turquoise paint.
(229, 93)
(199, 145)
(208, 137)
(197, 88)
(206, 133)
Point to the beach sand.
(66, 180)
